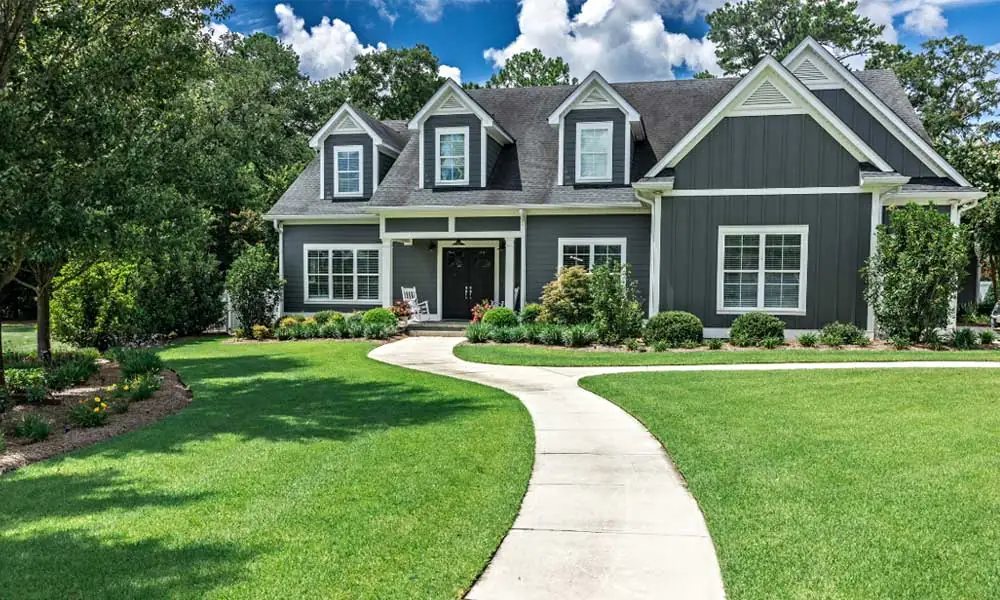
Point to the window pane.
(452, 144)
(343, 262)
(607, 254)
(368, 262)
(343, 287)
(318, 262)
(593, 165)
(576, 256)
(349, 183)
(595, 140)
(742, 252)
(319, 286)
(452, 169)
(781, 290)
(739, 290)
(368, 287)
(783, 252)
(348, 161)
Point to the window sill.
(348, 196)
(792, 312)
(348, 302)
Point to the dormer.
(597, 132)
(355, 150)
(458, 140)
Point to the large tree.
(393, 83)
(745, 32)
(531, 69)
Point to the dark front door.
(468, 280)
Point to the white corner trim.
(522, 215)
(438, 132)
(562, 150)
(322, 172)
(608, 126)
(337, 150)
(876, 220)
(482, 156)
(655, 235)
(375, 160)
(420, 149)
(329, 274)
(761, 231)
(593, 80)
(590, 241)
(770, 69)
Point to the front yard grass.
(543, 356)
(20, 337)
(836, 485)
(300, 470)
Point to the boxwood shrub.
(529, 314)
(841, 334)
(500, 316)
(673, 328)
(383, 317)
(752, 328)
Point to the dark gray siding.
(385, 163)
(416, 224)
(415, 266)
(493, 148)
(475, 147)
(839, 236)
(767, 151)
(295, 236)
(329, 157)
(487, 224)
(543, 233)
(874, 133)
(618, 146)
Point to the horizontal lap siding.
(595, 115)
(487, 224)
(838, 246)
(543, 233)
(416, 224)
(475, 149)
(415, 266)
(295, 237)
(329, 158)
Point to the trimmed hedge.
(673, 328)
(752, 328)
(500, 316)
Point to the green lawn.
(836, 485)
(542, 356)
(301, 470)
(20, 337)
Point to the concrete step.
(438, 328)
(435, 333)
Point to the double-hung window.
(593, 152)
(591, 252)
(763, 268)
(348, 179)
(339, 274)
(452, 160)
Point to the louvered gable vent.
(808, 72)
(595, 97)
(766, 96)
(452, 104)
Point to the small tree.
(566, 301)
(254, 287)
(917, 267)
(986, 235)
(614, 301)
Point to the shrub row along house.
(759, 193)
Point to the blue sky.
(624, 39)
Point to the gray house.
(759, 193)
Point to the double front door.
(468, 279)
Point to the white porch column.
(876, 219)
(386, 267)
(524, 256)
(508, 273)
(956, 220)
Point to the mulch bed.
(172, 396)
(875, 346)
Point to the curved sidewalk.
(605, 516)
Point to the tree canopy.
(531, 69)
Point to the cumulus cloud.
(623, 39)
(926, 20)
(325, 50)
(450, 73)
(219, 32)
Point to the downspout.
(280, 228)
(654, 250)
(524, 257)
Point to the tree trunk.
(3, 381)
(44, 335)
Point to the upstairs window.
(452, 159)
(593, 152)
(347, 176)
(342, 274)
(762, 268)
(591, 252)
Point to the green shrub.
(500, 316)
(6, 400)
(690, 345)
(963, 339)
(36, 394)
(533, 333)
(987, 337)
(617, 314)
(772, 342)
(673, 328)
(551, 335)
(752, 328)
(578, 336)
(3, 445)
(661, 346)
(353, 325)
(19, 380)
(306, 330)
(841, 334)
(289, 321)
(632, 345)
(142, 387)
(32, 427)
(506, 335)
(254, 287)
(864, 341)
(382, 317)
(900, 343)
(566, 300)
(932, 338)
(477, 333)
(136, 361)
(333, 328)
(92, 412)
(808, 340)
(260, 332)
(239, 333)
(284, 333)
(530, 313)
(715, 344)
(379, 331)
(325, 316)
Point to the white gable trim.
(359, 125)
(443, 102)
(844, 79)
(802, 101)
(582, 97)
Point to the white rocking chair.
(420, 309)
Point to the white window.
(339, 274)
(762, 268)
(593, 151)
(591, 252)
(348, 180)
(452, 156)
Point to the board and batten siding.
(874, 133)
(475, 149)
(839, 240)
(415, 266)
(543, 233)
(329, 158)
(416, 224)
(595, 115)
(511, 224)
(295, 237)
(775, 151)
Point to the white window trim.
(762, 230)
(563, 242)
(608, 126)
(337, 150)
(438, 132)
(306, 248)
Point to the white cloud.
(431, 10)
(325, 50)
(450, 73)
(219, 32)
(926, 20)
(623, 39)
(382, 7)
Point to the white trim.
(877, 108)
(375, 159)
(281, 263)
(337, 150)
(524, 256)
(595, 78)
(720, 333)
(562, 150)
(804, 191)
(438, 132)
(627, 175)
(590, 241)
(420, 149)
(770, 69)
(450, 86)
(511, 209)
(956, 220)
(433, 235)
(608, 126)
(761, 231)
(322, 172)
(385, 274)
(883, 182)
(655, 233)
(451, 224)
(316, 141)
(920, 197)
(482, 157)
(358, 219)
(306, 248)
(470, 244)
(508, 272)
(876, 220)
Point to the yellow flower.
(126, 388)
(96, 409)
(103, 405)
(97, 398)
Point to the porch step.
(438, 328)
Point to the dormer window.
(452, 156)
(348, 178)
(593, 152)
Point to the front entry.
(468, 280)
